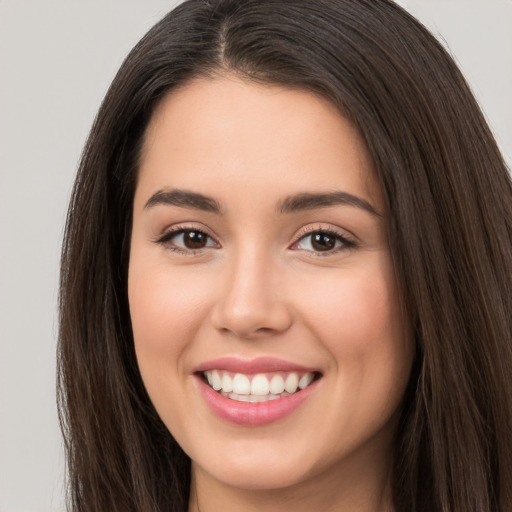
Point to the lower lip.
(257, 413)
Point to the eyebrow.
(184, 199)
(295, 203)
(310, 201)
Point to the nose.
(252, 301)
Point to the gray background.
(57, 58)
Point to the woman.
(286, 275)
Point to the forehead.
(226, 129)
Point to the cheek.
(356, 311)
(166, 310)
(358, 320)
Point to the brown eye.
(194, 239)
(323, 242)
(187, 240)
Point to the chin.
(257, 475)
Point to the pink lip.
(252, 366)
(246, 413)
(253, 414)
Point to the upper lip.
(252, 366)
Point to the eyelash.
(346, 242)
(178, 230)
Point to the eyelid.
(348, 240)
(175, 230)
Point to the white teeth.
(250, 398)
(216, 380)
(260, 385)
(258, 388)
(305, 380)
(227, 383)
(241, 384)
(291, 383)
(276, 384)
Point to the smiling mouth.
(260, 387)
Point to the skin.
(259, 288)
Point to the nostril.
(250, 310)
(265, 330)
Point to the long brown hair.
(449, 198)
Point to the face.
(262, 294)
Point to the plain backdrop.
(57, 58)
